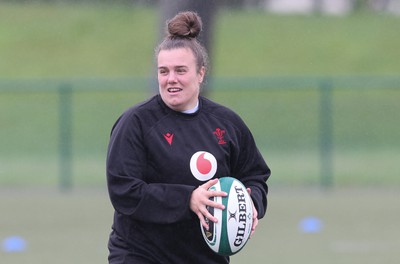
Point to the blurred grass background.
(105, 52)
(74, 40)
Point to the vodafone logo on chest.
(203, 165)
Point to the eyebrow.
(175, 67)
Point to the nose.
(171, 77)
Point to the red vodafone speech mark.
(203, 165)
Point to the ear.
(201, 74)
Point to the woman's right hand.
(200, 200)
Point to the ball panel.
(240, 216)
(213, 234)
(226, 186)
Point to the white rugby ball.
(233, 229)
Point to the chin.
(174, 105)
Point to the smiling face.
(179, 79)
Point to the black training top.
(157, 157)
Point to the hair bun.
(184, 25)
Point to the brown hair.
(182, 32)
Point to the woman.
(166, 152)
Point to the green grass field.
(358, 226)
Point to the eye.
(162, 71)
(181, 70)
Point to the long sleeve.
(251, 169)
(130, 192)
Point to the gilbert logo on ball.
(233, 229)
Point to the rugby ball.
(229, 235)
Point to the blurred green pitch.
(359, 226)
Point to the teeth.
(172, 90)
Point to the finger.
(253, 227)
(206, 214)
(203, 221)
(212, 201)
(255, 216)
(248, 190)
(210, 183)
(255, 212)
(217, 194)
(255, 222)
(215, 205)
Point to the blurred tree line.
(355, 5)
(208, 9)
